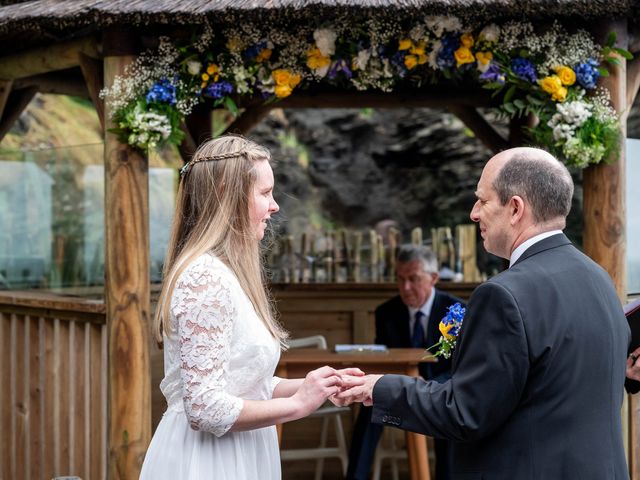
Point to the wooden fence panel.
(53, 411)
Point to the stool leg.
(342, 444)
(323, 443)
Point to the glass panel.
(633, 215)
(52, 217)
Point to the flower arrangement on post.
(450, 329)
(552, 74)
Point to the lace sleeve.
(204, 309)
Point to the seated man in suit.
(410, 319)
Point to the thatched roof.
(28, 23)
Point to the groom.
(537, 377)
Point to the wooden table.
(298, 362)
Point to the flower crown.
(210, 158)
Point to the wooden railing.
(53, 361)
(53, 399)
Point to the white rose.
(490, 33)
(362, 59)
(325, 41)
(194, 67)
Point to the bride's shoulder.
(206, 268)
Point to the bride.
(221, 341)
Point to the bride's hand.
(350, 377)
(317, 386)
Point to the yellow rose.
(484, 58)
(467, 40)
(567, 76)
(418, 49)
(550, 84)
(405, 44)
(410, 61)
(422, 59)
(203, 84)
(463, 55)
(213, 71)
(281, 76)
(316, 60)
(282, 91)
(560, 95)
(205, 77)
(265, 54)
(294, 80)
(444, 330)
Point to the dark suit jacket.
(393, 330)
(537, 376)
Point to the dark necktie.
(417, 336)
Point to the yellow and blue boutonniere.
(449, 328)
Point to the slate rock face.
(415, 166)
(354, 168)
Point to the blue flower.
(445, 58)
(524, 69)
(253, 51)
(340, 66)
(587, 74)
(218, 90)
(397, 59)
(492, 74)
(163, 91)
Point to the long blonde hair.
(212, 215)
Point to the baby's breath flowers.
(552, 73)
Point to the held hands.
(362, 392)
(323, 383)
(633, 366)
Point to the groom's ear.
(517, 208)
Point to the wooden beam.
(65, 82)
(127, 286)
(249, 119)
(58, 56)
(200, 124)
(406, 98)
(93, 73)
(15, 105)
(633, 83)
(517, 134)
(480, 127)
(188, 145)
(5, 90)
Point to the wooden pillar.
(127, 285)
(604, 213)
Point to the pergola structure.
(78, 47)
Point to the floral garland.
(552, 74)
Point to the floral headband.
(210, 158)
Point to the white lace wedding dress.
(221, 354)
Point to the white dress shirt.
(426, 311)
(517, 253)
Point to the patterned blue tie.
(417, 336)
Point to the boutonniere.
(449, 328)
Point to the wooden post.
(604, 212)
(127, 285)
(92, 71)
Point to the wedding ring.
(633, 357)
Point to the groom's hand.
(360, 393)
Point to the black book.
(632, 312)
